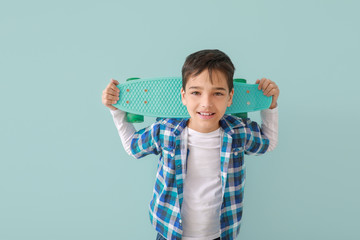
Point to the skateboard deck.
(160, 97)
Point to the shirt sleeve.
(146, 141)
(264, 138)
(270, 123)
(256, 142)
(137, 143)
(125, 130)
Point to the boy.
(198, 193)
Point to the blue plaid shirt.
(167, 138)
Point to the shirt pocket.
(237, 162)
(168, 152)
(237, 152)
(168, 156)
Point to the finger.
(272, 92)
(107, 93)
(114, 81)
(268, 88)
(109, 103)
(112, 92)
(107, 97)
(263, 82)
(113, 87)
(111, 97)
(111, 106)
(111, 100)
(260, 84)
(112, 84)
(265, 85)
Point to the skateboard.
(160, 97)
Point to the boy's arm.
(269, 125)
(125, 130)
(146, 141)
(256, 142)
(136, 144)
(259, 140)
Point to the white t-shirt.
(200, 211)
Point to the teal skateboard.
(160, 97)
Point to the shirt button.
(173, 154)
(236, 153)
(178, 166)
(180, 221)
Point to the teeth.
(206, 114)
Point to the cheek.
(190, 105)
(183, 101)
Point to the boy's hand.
(270, 89)
(111, 94)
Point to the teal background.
(63, 171)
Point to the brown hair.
(212, 59)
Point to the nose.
(206, 101)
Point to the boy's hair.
(212, 59)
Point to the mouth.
(205, 115)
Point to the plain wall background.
(63, 171)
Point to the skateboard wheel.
(240, 115)
(130, 79)
(133, 118)
(242, 80)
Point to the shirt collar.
(227, 123)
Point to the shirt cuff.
(117, 113)
(270, 111)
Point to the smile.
(206, 115)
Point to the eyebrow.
(215, 88)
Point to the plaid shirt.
(167, 138)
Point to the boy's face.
(206, 102)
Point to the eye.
(195, 93)
(219, 94)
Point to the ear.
(230, 97)
(183, 100)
